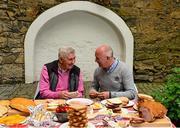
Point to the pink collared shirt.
(61, 86)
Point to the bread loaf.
(145, 97)
(77, 115)
(21, 104)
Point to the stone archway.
(82, 25)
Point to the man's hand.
(103, 95)
(93, 93)
(73, 94)
(64, 94)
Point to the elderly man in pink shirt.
(61, 78)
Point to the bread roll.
(124, 100)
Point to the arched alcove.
(82, 25)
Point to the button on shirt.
(63, 83)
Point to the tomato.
(67, 108)
(58, 109)
(62, 108)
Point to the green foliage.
(170, 94)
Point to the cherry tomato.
(62, 108)
(58, 109)
(67, 108)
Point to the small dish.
(62, 117)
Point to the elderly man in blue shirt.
(113, 77)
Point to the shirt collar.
(61, 70)
(113, 66)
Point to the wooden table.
(165, 122)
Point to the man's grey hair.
(65, 51)
(109, 51)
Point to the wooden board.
(164, 122)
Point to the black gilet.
(53, 76)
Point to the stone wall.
(154, 23)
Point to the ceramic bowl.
(62, 117)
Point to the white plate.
(65, 125)
(131, 103)
(83, 101)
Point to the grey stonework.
(154, 24)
